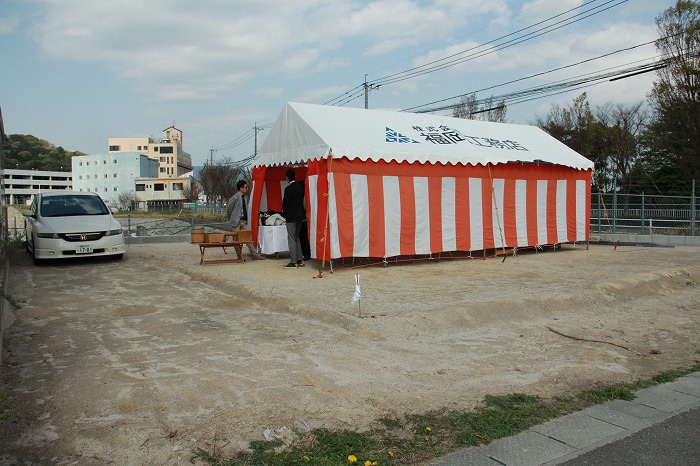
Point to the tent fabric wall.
(385, 209)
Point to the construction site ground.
(143, 360)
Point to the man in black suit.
(294, 211)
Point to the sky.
(77, 72)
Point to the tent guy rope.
(325, 226)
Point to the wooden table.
(237, 245)
(230, 239)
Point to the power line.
(542, 73)
(486, 43)
(640, 72)
(425, 69)
(551, 89)
(239, 140)
(343, 96)
(242, 138)
(451, 60)
(245, 162)
(556, 88)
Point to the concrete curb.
(567, 437)
(159, 239)
(660, 240)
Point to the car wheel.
(32, 251)
(37, 261)
(26, 243)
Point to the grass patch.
(12, 302)
(5, 413)
(419, 438)
(9, 247)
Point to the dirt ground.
(142, 360)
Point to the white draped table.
(273, 239)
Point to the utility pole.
(366, 94)
(692, 210)
(211, 156)
(255, 153)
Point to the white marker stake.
(357, 295)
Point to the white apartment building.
(110, 175)
(20, 185)
(161, 193)
(172, 160)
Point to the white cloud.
(546, 52)
(385, 46)
(565, 49)
(616, 36)
(156, 41)
(8, 24)
(323, 93)
(538, 10)
(474, 54)
(183, 44)
(226, 63)
(301, 60)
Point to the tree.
(126, 200)
(619, 134)
(674, 132)
(571, 125)
(610, 138)
(576, 127)
(219, 181)
(470, 108)
(26, 152)
(193, 191)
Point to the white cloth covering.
(272, 239)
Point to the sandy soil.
(140, 361)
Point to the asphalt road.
(675, 441)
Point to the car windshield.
(71, 205)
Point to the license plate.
(83, 250)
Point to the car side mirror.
(28, 213)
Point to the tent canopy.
(305, 132)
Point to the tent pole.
(325, 226)
(498, 217)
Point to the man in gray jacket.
(237, 215)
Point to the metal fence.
(172, 222)
(644, 214)
(610, 213)
(3, 210)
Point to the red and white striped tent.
(383, 184)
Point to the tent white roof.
(307, 132)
